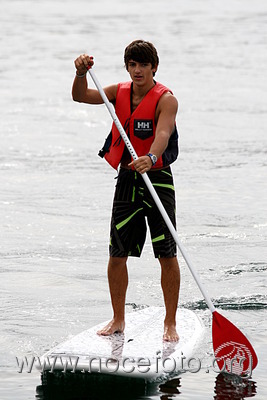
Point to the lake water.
(56, 193)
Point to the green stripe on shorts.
(145, 202)
(164, 185)
(165, 172)
(157, 239)
(133, 195)
(122, 223)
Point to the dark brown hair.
(141, 51)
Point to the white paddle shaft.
(152, 191)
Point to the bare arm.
(80, 90)
(165, 115)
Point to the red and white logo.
(233, 357)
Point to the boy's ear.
(154, 69)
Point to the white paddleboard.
(139, 352)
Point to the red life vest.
(140, 127)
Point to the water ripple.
(257, 302)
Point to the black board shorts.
(133, 205)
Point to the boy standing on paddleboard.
(147, 111)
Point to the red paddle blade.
(232, 350)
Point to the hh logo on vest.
(143, 128)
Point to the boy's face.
(140, 73)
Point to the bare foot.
(112, 327)
(170, 333)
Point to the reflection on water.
(233, 387)
(69, 386)
(170, 388)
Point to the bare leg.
(118, 282)
(170, 282)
